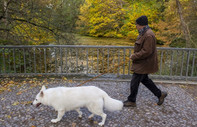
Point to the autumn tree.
(176, 28)
(116, 18)
(102, 18)
(136, 9)
(38, 22)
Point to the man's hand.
(131, 56)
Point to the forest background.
(43, 22)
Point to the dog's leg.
(59, 116)
(97, 108)
(79, 112)
(103, 115)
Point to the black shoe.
(161, 99)
(129, 104)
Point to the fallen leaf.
(11, 82)
(30, 81)
(64, 78)
(9, 117)
(19, 93)
(26, 102)
(15, 103)
(70, 81)
(74, 124)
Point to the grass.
(86, 40)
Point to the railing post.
(161, 61)
(55, 60)
(124, 61)
(66, 55)
(97, 61)
(14, 60)
(107, 59)
(87, 60)
(171, 63)
(77, 55)
(187, 69)
(4, 66)
(118, 73)
(129, 68)
(193, 62)
(177, 61)
(183, 54)
(24, 60)
(45, 65)
(34, 61)
(61, 61)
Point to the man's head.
(141, 22)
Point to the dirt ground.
(178, 110)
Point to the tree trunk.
(184, 26)
(6, 12)
(6, 18)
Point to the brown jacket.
(144, 58)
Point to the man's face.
(138, 26)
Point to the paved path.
(178, 110)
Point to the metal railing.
(174, 63)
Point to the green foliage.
(115, 18)
(102, 18)
(169, 28)
(135, 10)
(99, 19)
(27, 22)
(178, 43)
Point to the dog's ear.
(43, 88)
(41, 94)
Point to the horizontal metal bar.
(89, 46)
(63, 46)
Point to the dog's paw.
(101, 124)
(54, 120)
(80, 116)
(91, 116)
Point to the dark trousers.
(144, 79)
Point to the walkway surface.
(178, 110)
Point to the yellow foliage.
(168, 29)
(33, 33)
(136, 10)
(101, 18)
(114, 18)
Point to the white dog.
(64, 99)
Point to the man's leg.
(134, 85)
(154, 89)
(151, 86)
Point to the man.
(144, 62)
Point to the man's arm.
(146, 50)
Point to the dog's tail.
(112, 104)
